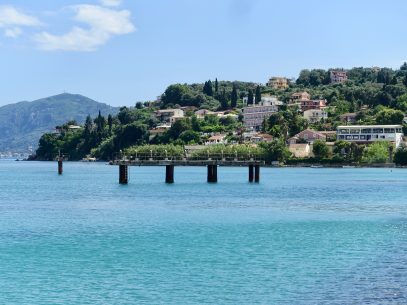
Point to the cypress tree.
(110, 122)
(216, 85)
(233, 102)
(224, 100)
(250, 97)
(258, 95)
(207, 89)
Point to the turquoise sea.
(301, 236)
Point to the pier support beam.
(169, 174)
(123, 174)
(60, 166)
(257, 173)
(251, 172)
(212, 173)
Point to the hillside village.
(338, 115)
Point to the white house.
(216, 139)
(315, 115)
(169, 115)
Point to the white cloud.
(111, 2)
(13, 32)
(103, 23)
(12, 20)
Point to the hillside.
(22, 124)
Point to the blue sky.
(120, 52)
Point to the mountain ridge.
(23, 123)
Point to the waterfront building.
(253, 116)
(338, 76)
(169, 115)
(315, 115)
(278, 83)
(302, 150)
(366, 134)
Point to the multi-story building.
(278, 83)
(253, 116)
(338, 76)
(371, 133)
(296, 98)
(169, 115)
(315, 115)
(312, 104)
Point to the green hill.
(22, 124)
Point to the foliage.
(275, 151)
(320, 149)
(156, 150)
(377, 152)
(400, 157)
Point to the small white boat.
(316, 166)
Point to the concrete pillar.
(123, 174)
(257, 173)
(169, 174)
(212, 173)
(251, 173)
(60, 166)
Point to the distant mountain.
(22, 124)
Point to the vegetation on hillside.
(376, 95)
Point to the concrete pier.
(212, 173)
(257, 173)
(60, 166)
(169, 174)
(251, 173)
(123, 174)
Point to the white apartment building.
(371, 133)
(253, 116)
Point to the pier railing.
(153, 156)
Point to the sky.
(123, 51)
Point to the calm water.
(302, 236)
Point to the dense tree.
(400, 157)
(224, 103)
(377, 152)
(275, 151)
(258, 95)
(320, 149)
(208, 89)
(250, 97)
(389, 116)
(234, 97)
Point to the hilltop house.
(278, 83)
(169, 115)
(338, 76)
(312, 104)
(307, 135)
(348, 118)
(315, 115)
(296, 98)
